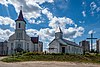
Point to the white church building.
(20, 41)
(61, 45)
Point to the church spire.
(20, 17)
(59, 33)
(58, 30)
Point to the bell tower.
(20, 22)
(20, 26)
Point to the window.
(69, 48)
(19, 25)
(19, 35)
(28, 46)
(11, 46)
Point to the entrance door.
(19, 48)
(63, 49)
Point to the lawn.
(88, 58)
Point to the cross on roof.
(92, 38)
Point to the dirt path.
(46, 64)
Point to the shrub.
(33, 53)
(11, 60)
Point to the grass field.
(88, 58)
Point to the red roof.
(20, 17)
(34, 39)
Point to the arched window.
(19, 25)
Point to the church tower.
(59, 33)
(20, 26)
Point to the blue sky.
(77, 18)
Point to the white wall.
(54, 45)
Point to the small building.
(98, 46)
(3, 48)
(38, 45)
(61, 45)
(85, 45)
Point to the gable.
(53, 42)
(12, 37)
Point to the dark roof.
(35, 39)
(20, 17)
(70, 42)
(52, 41)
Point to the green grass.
(53, 57)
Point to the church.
(61, 45)
(20, 41)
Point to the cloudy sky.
(77, 18)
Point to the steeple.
(59, 33)
(59, 30)
(20, 17)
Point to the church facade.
(61, 45)
(20, 41)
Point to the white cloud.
(43, 1)
(93, 5)
(60, 21)
(84, 13)
(83, 3)
(32, 32)
(4, 34)
(71, 32)
(91, 31)
(4, 2)
(31, 8)
(81, 21)
(44, 34)
(98, 9)
(7, 21)
(32, 21)
(47, 13)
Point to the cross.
(91, 38)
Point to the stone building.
(85, 45)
